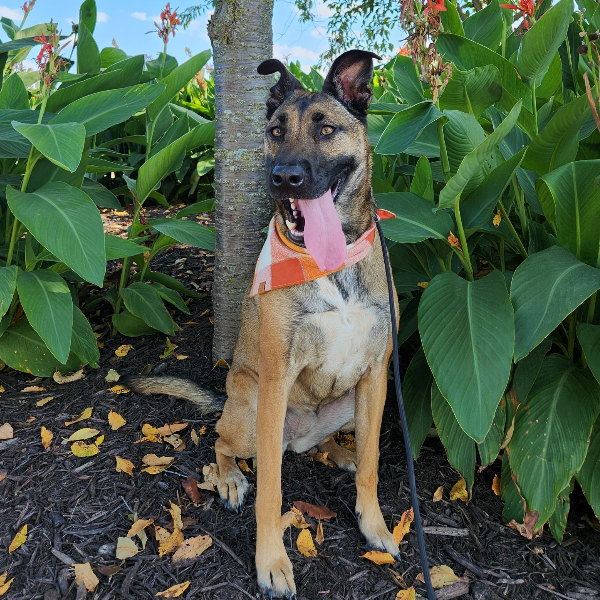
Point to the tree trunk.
(242, 37)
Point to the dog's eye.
(327, 130)
(276, 132)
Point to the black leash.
(407, 445)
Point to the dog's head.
(318, 158)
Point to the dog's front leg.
(370, 399)
(274, 569)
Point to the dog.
(315, 341)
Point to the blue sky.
(127, 21)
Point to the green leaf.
(110, 55)
(102, 110)
(541, 42)
(545, 289)
(422, 182)
(117, 247)
(571, 202)
(558, 142)
(60, 144)
(551, 433)
(172, 297)
(14, 94)
(416, 218)
(473, 162)
(589, 338)
(472, 91)
(153, 171)
(468, 336)
(490, 447)
(88, 55)
(83, 340)
(416, 389)
(88, 14)
(589, 475)
(406, 79)
(47, 302)
(144, 301)
(185, 232)
(477, 207)
(131, 326)
(485, 26)
(8, 284)
(528, 368)
(460, 448)
(21, 348)
(131, 70)
(514, 505)
(171, 283)
(101, 196)
(405, 126)
(12, 143)
(197, 208)
(451, 19)
(558, 519)
(65, 221)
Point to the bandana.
(283, 264)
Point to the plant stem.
(502, 263)
(572, 329)
(534, 107)
(513, 231)
(521, 207)
(463, 240)
(503, 38)
(435, 254)
(443, 151)
(423, 264)
(164, 57)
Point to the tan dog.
(312, 358)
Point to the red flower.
(46, 51)
(168, 24)
(527, 8)
(435, 6)
(27, 6)
(404, 50)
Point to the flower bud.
(594, 36)
(583, 49)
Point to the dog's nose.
(287, 175)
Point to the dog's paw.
(343, 458)
(233, 487)
(274, 572)
(377, 535)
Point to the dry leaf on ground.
(316, 511)
(441, 576)
(83, 434)
(192, 548)
(243, 465)
(221, 363)
(44, 401)
(190, 485)
(60, 379)
(119, 389)
(168, 349)
(83, 450)
(170, 429)
(156, 464)
(161, 534)
(138, 526)
(175, 515)
(437, 495)
(305, 544)
(86, 414)
(211, 477)
(195, 438)
(528, 527)
(171, 543)
(408, 594)
(4, 585)
(175, 591)
(115, 420)
(124, 466)
(3, 475)
(85, 575)
(320, 536)
(123, 350)
(379, 558)
(404, 526)
(47, 436)
(175, 441)
(126, 548)
(112, 376)
(6, 432)
(202, 430)
(497, 485)
(459, 491)
(18, 540)
(33, 388)
(293, 517)
(109, 570)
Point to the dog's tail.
(207, 401)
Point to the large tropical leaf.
(485, 26)
(186, 232)
(552, 429)
(468, 336)
(589, 338)
(83, 341)
(144, 301)
(88, 55)
(14, 94)
(407, 80)
(545, 288)
(422, 182)
(472, 91)
(65, 221)
(8, 283)
(589, 475)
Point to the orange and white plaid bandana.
(283, 264)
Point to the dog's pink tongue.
(323, 235)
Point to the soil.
(76, 508)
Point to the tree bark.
(242, 37)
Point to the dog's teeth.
(295, 213)
(290, 225)
(292, 204)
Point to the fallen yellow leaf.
(83, 434)
(138, 526)
(123, 350)
(18, 540)
(86, 414)
(379, 558)
(169, 429)
(3, 475)
(175, 591)
(202, 430)
(4, 585)
(404, 526)
(126, 548)
(497, 485)
(85, 575)
(155, 469)
(112, 376)
(115, 420)
(192, 548)
(148, 429)
(99, 440)
(2, 390)
(33, 388)
(221, 363)
(180, 356)
(195, 438)
(176, 515)
(83, 450)
(305, 544)
(161, 534)
(47, 436)
(243, 465)
(293, 517)
(437, 495)
(119, 389)
(171, 543)
(459, 491)
(320, 536)
(60, 379)
(44, 401)
(168, 349)
(157, 461)
(175, 441)
(124, 466)
(6, 432)
(408, 594)
(441, 576)
(31, 419)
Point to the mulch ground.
(76, 508)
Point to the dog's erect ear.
(285, 86)
(349, 80)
